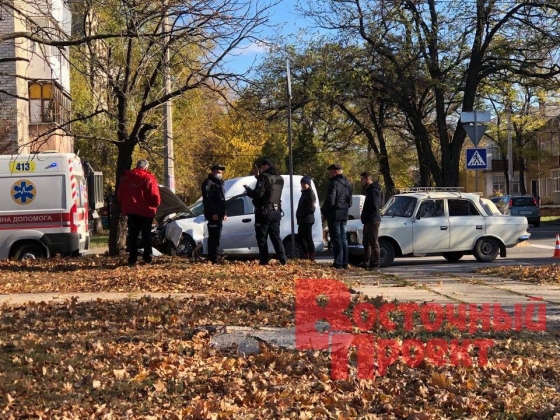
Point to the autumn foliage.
(152, 357)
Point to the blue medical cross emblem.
(23, 192)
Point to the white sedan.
(434, 222)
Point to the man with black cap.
(214, 200)
(335, 210)
(267, 199)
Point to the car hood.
(170, 203)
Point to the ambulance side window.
(81, 191)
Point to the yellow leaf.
(159, 386)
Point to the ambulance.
(43, 206)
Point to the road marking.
(542, 246)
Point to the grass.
(551, 220)
(99, 240)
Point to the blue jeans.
(337, 232)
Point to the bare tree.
(438, 53)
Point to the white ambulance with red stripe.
(43, 206)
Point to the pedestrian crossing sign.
(476, 159)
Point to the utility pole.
(510, 148)
(168, 165)
(291, 158)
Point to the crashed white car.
(450, 223)
(186, 231)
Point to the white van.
(238, 232)
(355, 212)
(44, 209)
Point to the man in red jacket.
(139, 197)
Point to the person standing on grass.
(335, 210)
(138, 195)
(305, 215)
(214, 200)
(371, 218)
(267, 199)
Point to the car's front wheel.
(186, 246)
(452, 256)
(486, 249)
(387, 253)
(288, 249)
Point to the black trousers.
(137, 224)
(372, 253)
(214, 234)
(305, 233)
(266, 225)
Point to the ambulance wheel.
(29, 251)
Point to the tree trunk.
(98, 225)
(117, 228)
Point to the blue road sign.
(476, 159)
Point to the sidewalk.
(419, 287)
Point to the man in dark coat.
(305, 215)
(214, 200)
(267, 199)
(138, 195)
(371, 218)
(335, 210)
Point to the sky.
(287, 22)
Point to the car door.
(466, 224)
(430, 232)
(238, 232)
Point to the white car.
(435, 222)
(238, 231)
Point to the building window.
(499, 184)
(555, 175)
(496, 153)
(555, 145)
(48, 103)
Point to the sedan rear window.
(523, 202)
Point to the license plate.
(525, 212)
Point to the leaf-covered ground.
(152, 358)
(547, 274)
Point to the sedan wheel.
(452, 256)
(486, 249)
(387, 253)
(186, 246)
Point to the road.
(538, 250)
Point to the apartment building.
(35, 97)
(542, 170)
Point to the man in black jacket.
(267, 199)
(335, 210)
(371, 218)
(305, 215)
(214, 200)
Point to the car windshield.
(523, 201)
(197, 208)
(399, 206)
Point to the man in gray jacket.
(371, 218)
(335, 210)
